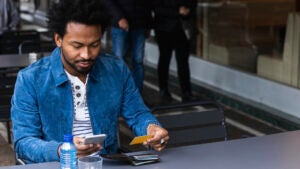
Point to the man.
(77, 90)
(9, 16)
(131, 20)
(170, 36)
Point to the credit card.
(139, 139)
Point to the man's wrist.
(58, 150)
(152, 124)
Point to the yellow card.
(139, 139)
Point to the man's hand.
(159, 137)
(84, 150)
(184, 11)
(123, 24)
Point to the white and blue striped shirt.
(81, 122)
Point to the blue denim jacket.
(42, 106)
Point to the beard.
(72, 64)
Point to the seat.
(19, 161)
(7, 82)
(190, 123)
(5, 72)
(5, 97)
(36, 46)
(10, 40)
(6, 92)
(5, 117)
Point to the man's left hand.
(159, 138)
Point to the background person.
(170, 36)
(77, 90)
(131, 20)
(9, 16)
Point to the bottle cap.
(68, 138)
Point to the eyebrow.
(82, 44)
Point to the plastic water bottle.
(68, 153)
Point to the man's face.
(80, 47)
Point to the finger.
(159, 147)
(84, 149)
(153, 142)
(78, 140)
(88, 151)
(94, 147)
(166, 139)
(162, 143)
(158, 139)
(97, 147)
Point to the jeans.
(135, 41)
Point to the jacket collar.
(59, 74)
(96, 70)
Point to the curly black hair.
(89, 12)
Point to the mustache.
(86, 60)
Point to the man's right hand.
(84, 150)
(184, 11)
(123, 24)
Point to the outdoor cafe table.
(277, 151)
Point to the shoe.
(165, 94)
(188, 97)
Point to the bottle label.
(68, 159)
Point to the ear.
(58, 40)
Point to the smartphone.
(95, 139)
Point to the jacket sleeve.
(192, 5)
(27, 127)
(163, 9)
(134, 111)
(114, 9)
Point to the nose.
(84, 53)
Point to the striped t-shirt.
(81, 122)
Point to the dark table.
(278, 151)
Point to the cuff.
(51, 149)
(150, 123)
